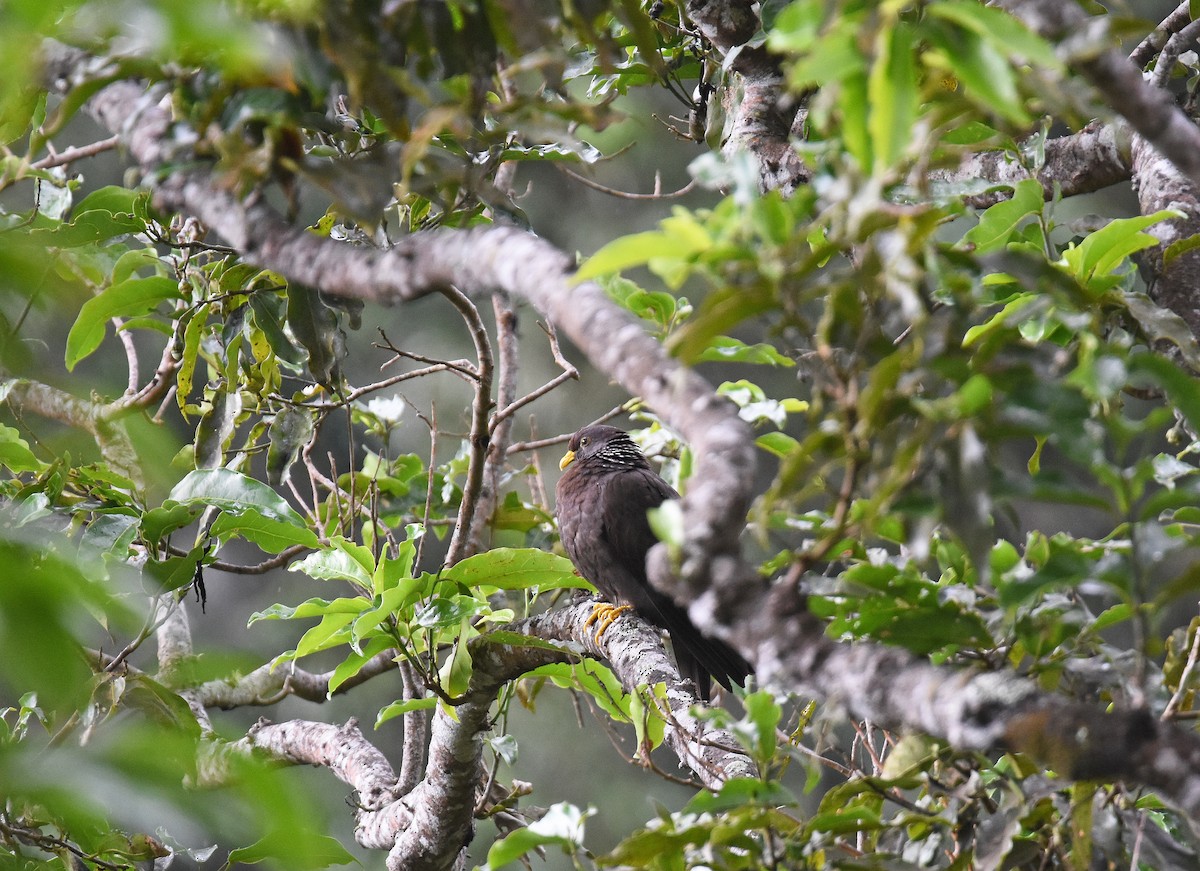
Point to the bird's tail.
(699, 656)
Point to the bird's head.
(604, 445)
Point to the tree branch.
(635, 651)
(1084, 43)
(461, 540)
(267, 685)
(975, 710)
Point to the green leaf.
(1160, 323)
(392, 571)
(217, 424)
(103, 214)
(1005, 32)
(853, 100)
(175, 572)
(1180, 247)
(763, 714)
(160, 704)
(293, 848)
(395, 709)
(998, 223)
(997, 321)
(269, 311)
(315, 325)
(334, 564)
(622, 253)
(680, 237)
(290, 430)
(353, 664)
(563, 825)
(666, 522)
(136, 296)
(1105, 249)
(519, 639)
(1177, 384)
(740, 791)
(312, 608)
(15, 453)
(517, 569)
(723, 349)
(455, 673)
(158, 522)
(268, 533)
(442, 612)
(983, 68)
(329, 632)
(780, 444)
(116, 200)
(231, 492)
(649, 726)
(893, 95)
(595, 679)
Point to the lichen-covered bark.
(1174, 284)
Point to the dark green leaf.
(289, 432)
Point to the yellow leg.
(604, 613)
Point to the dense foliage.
(979, 419)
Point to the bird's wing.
(626, 531)
(626, 499)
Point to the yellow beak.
(568, 458)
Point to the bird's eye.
(584, 442)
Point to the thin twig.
(569, 373)
(359, 392)
(538, 444)
(1170, 711)
(627, 195)
(430, 422)
(416, 733)
(538, 487)
(159, 385)
(258, 568)
(74, 153)
(477, 440)
(131, 355)
(462, 367)
(499, 426)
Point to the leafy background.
(965, 446)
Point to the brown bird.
(601, 503)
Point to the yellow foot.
(605, 613)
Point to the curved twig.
(477, 440)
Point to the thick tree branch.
(757, 121)
(976, 710)
(101, 421)
(426, 824)
(1160, 185)
(1179, 17)
(1085, 44)
(636, 653)
(499, 428)
(1078, 163)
